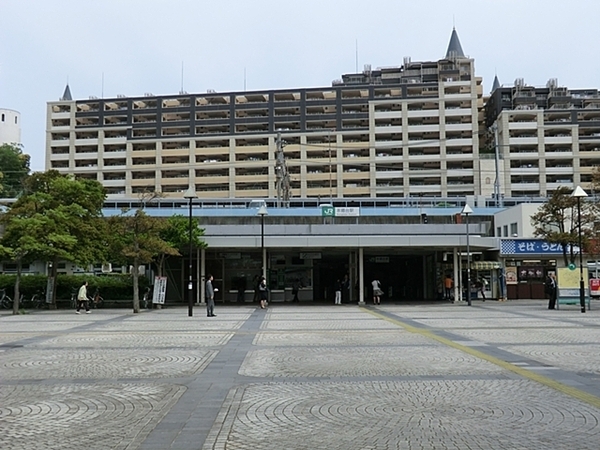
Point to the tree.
(57, 218)
(177, 235)
(14, 168)
(137, 240)
(557, 222)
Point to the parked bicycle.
(96, 300)
(6, 302)
(74, 298)
(147, 298)
(37, 301)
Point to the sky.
(132, 47)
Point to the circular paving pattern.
(99, 364)
(138, 340)
(336, 337)
(577, 358)
(81, 417)
(362, 362)
(457, 415)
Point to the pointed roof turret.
(454, 48)
(496, 84)
(67, 94)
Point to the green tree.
(136, 240)
(57, 218)
(14, 168)
(177, 235)
(557, 222)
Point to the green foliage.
(14, 168)
(57, 218)
(557, 221)
(113, 287)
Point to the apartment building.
(410, 130)
(547, 136)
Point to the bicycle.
(96, 300)
(5, 301)
(37, 301)
(147, 298)
(74, 298)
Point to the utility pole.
(282, 177)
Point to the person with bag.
(377, 292)
(263, 290)
(82, 299)
(551, 290)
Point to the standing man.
(448, 283)
(210, 297)
(82, 299)
(338, 292)
(551, 290)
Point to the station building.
(378, 166)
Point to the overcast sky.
(131, 47)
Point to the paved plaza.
(511, 375)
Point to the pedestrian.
(295, 290)
(448, 283)
(377, 292)
(82, 299)
(241, 289)
(346, 289)
(481, 285)
(550, 288)
(255, 284)
(338, 292)
(210, 297)
(262, 288)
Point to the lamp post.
(190, 194)
(466, 211)
(578, 193)
(262, 212)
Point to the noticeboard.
(160, 290)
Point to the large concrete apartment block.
(547, 137)
(411, 130)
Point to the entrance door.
(401, 276)
(326, 271)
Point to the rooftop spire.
(67, 94)
(496, 84)
(454, 48)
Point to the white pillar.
(198, 279)
(457, 278)
(202, 278)
(361, 277)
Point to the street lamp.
(466, 211)
(190, 194)
(578, 193)
(262, 212)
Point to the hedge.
(112, 287)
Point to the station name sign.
(330, 211)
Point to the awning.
(485, 265)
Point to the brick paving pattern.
(509, 375)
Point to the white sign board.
(160, 290)
(347, 212)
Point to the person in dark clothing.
(263, 291)
(551, 290)
(295, 290)
(241, 289)
(210, 297)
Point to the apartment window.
(498, 231)
(2, 117)
(505, 230)
(513, 229)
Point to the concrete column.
(361, 277)
(202, 277)
(457, 278)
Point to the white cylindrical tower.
(10, 126)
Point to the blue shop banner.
(531, 246)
